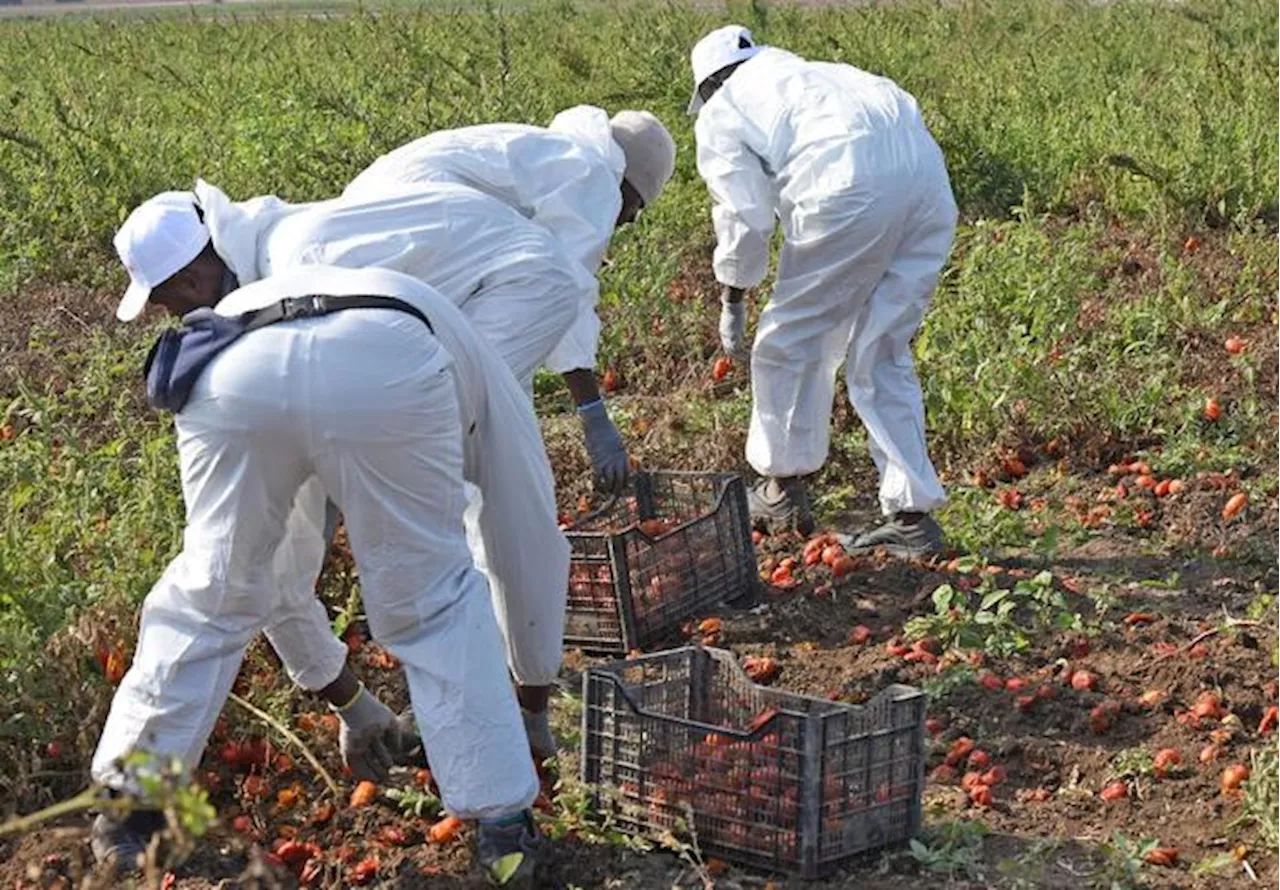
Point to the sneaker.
(906, 536)
(509, 851)
(124, 839)
(778, 504)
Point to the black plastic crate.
(683, 741)
(675, 546)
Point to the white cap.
(160, 237)
(649, 149)
(719, 49)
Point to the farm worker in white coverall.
(580, 178)
(844, 160)
(387, 413)
(514, 283)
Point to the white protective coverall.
(518, 290)
(371, 408)
(565, 177)
(845, 160)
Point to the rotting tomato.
(363, 871)
(1234, 506)
(1116, 790)
(1233, 777)
(988, 680)
(445, 830)
(1084, 681)
(1165, 761)
(943, 774)
(721, 369)
(364, 794)
(710, 625)
(995, 776)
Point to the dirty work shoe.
(906, 536)
(778, 504)
(124, 839)
(509, 849)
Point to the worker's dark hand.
(367, 736)
(604, 445)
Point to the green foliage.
(1122, 862)
(951, 848)
(1262, 796)
(415, 802)
(998, 621)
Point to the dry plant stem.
(82, 801)
(288, 734)
(1214, 631)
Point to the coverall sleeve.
(743, 193)
(525, 553)
(577, 349)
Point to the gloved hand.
(733, 327)
(367, 737)
(604, 445)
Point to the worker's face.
(632, 204)
(712, 84)
(195, 286)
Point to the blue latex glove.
(604, 445)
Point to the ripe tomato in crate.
(673, 546)
(772, 779)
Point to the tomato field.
(1099, 652)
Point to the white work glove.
(369, 736)
(733, 327)
(604, 445)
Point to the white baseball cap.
(159, 238)
(719, 49)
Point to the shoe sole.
(898, 552)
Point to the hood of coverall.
(721, 48)
(238, 228)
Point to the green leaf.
(942, 597)
(505, 868)
(992, 598)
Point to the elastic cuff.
(509, 819)
(341, 708)
(590, 406)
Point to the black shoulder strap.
(309, 307)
